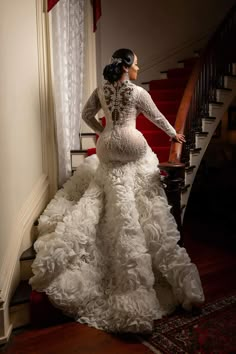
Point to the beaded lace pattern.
(124, 101)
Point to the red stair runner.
(167, 94)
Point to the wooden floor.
(209, 236)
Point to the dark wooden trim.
(88, 134)
(201, 133)
(209, 118)
(185, 188)
(230, 75)
(224, 88)
(195, 150)
(190, 168)
(28, 254)
(78, 151)
(216, 103)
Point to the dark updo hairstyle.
(121, 58)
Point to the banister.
(176, 148)
(207, 76)
(199, 73)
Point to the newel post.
(173, 181)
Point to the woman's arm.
(146, 105)
(91, 108)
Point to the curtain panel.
(68, 76)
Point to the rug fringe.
(156, 351)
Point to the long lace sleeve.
(91, 108)
(146, 105)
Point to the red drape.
(97, 12)
(51, 4)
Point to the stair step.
(194, 156)
(195, 150)
(230, 81)
(156, 137)
(185, 188)
(212, 119)
(143, 123)
(22, 293)
(207, 123)
(188, 61)
(189, 169)
(162, 152)
(231, 75)
(170, 94)
(202, 134)
(91, 151)
(167, 107)
(20, 315)
(77, 157)
(26, 261)
(178, 72)
(216, 103)
(168, 83)
(224, 88)
(87, 140)
(29, 254)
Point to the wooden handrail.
(176, 148)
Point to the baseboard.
(21, 233)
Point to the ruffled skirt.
(107, 254)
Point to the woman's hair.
(122, 57)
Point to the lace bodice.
(121, 103)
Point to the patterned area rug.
(211, 331)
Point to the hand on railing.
(179, 138)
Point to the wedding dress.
(107, 254)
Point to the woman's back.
(120, 141)
(121, 102)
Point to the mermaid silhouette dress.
(107, 251)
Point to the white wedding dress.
(107, 254)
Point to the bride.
(107, 254)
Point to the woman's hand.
(179, 138)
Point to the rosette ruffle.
(107, 252)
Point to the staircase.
(167, 94)
(193, 97)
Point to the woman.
(108, 252)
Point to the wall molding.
(47, 105)
(10, 271)
(21, 236)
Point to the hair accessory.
(126, 76)
(116, 60)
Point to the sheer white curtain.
(68, 72)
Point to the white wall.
(21, 176)
(159, 31)
(20, 130)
